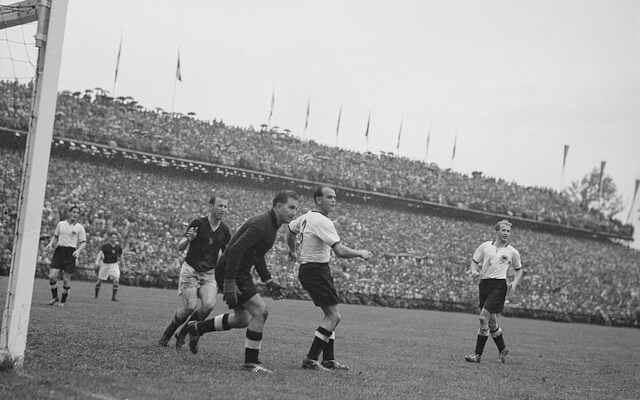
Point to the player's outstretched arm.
(347, 252)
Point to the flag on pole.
(273, 102)
(426, 154)
(633, 202)
(178, 71)
(602, 165)
(399, 136)
(366, 133)
(564, 160)
(115, 77)
(455, 141)
(338, 124)
(635, 192)
(306, 121)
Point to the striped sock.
(252, 344)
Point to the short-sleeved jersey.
(319, 235)
(111, 252)
(249, 245)
(495, 261)
(205, 247)
(70, 235)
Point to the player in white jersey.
(318, 238)
(494, 258)
(69, 239)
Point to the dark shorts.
(317, 280)
(244, 282)
(493, 292)
(63, 259)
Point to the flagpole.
(399, 137)
(115, 78)
(635, 192)
(273, 102)
(426, 154)
(366, 134)
(338, 124)
(453, 155)
(175, 81)
(306, 121)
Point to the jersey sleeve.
(516, 262)
(478, 255)
(327, 233)
(295, 225)
(82, 235)
(56, 233)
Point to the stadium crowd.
(419, 256)
(97, 117)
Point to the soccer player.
(495, 257)
(247, 249)
(205, 239)
(319, 237)
(107, 261)
(69, 239)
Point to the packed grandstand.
(148, 173)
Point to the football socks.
(252, 344)
(483, 335)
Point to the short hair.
(317, 191)
(74, 207)
(114, 232)
(284, 195)
(503, 222)
(212, 200)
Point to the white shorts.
(190, 278)
(109, 271)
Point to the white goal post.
(51, 16)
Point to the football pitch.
(98, 349)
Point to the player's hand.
(230, 293)
(275, 290)
(475, 274)
(365, 254)
(293, 256)
(76, 254)
(512, 286)
(192, 233)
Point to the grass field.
(98, 349)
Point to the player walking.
(495, 257)
(319, 237)
(69, 239)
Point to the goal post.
(51, 16)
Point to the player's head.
(324, 198)
(113, 236)
(285, 205)
(74, 213)
(503, 229)
(218, 207)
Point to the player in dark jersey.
(205, 239)
(246, 250)
(107, 262)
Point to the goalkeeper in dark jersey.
(246, 250)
